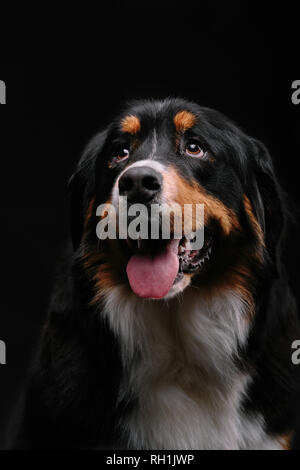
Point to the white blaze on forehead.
(154, 145)
(141, 163)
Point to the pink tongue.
(152, 277)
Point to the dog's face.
(176, 153)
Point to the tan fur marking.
(180, 191)
(238, 277)
(253, 220)
(105, 278)
(89, 212)
(101, 260)
(286, 441)
(184, 120)
(131, 124)
(104, 265)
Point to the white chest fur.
(178, 360)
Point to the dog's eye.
(122, 154)
(193, 149)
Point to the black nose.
(140, 184)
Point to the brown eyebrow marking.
(131, 124)
(184, 120)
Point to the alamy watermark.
(2, 92)
(296, 354)
(296, 93)
(159, 221)
(2, 353)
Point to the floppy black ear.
(267, 200)
(82, 186)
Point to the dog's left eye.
(122, 154)
(193, 149)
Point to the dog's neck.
(189, 328)
(179, 365)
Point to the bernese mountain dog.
(150, 344)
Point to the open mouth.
(154, 266)
(193, 260)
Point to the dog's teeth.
(139, 243)
(192, 267)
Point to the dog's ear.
(267, 197)
(81, 186)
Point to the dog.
(150, 344)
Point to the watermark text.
(296, 354)
(138, 221)
(2, 92)
(296, 93)
(2, 353)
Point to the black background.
(68, 71)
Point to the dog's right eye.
(193, 149)
(122, 154)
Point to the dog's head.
(176, 154)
